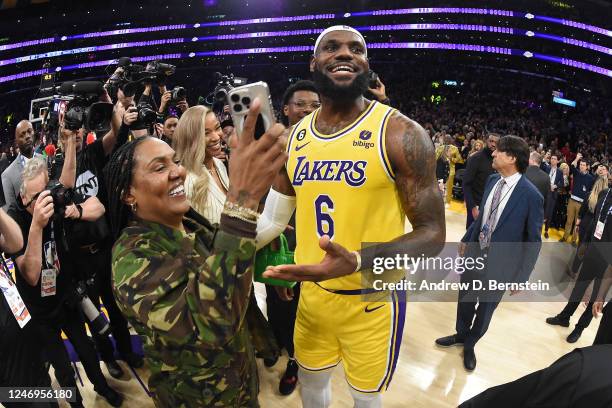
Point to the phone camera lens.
(235, 98)
(246, 100)
(237, 107)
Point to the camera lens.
(235, 98)
(237, 107)
(246, 100)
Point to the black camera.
(134, 76)
(62, 197)
(147, 115)
(178, 94)
(372, 79)
(84, 109)
(97, 321)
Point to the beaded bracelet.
(236, 211)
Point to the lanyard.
(501, 199)
(603, 204)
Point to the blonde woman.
(197, 140)
(449, 153)
(477, 146)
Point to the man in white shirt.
(512, 216)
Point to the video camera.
(223, 85)
(80, 105)
(135, 76)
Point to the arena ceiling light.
(308, 48)
(274, 34)
(324, 16)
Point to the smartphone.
(239, 101)
(373, 79)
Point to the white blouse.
(215, 197)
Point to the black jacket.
(540, 180)
(479, 167)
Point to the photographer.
(46, 284)
(176, 97)
(166, 131)
(90, 242)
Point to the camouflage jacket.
(186, 294)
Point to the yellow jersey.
(345, 188)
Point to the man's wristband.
(358, 257)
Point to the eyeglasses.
(34, 198)
(303, 105)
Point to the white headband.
(339, 28)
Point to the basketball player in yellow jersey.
(356, 168)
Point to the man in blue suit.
(506, 235)
(556, 182)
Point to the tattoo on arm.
(412, 158)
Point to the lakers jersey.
(344, 187)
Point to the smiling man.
(356, 169)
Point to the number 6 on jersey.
(325, 223)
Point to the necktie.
(489, 226)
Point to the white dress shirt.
(212, 207)
(553, 175)
(506, 192)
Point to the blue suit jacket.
(558, 175)
(516, 240)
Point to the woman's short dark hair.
(516, 147)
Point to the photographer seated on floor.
(46, 279)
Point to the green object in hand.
(267, 257)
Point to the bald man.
(11, 177)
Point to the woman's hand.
(255, 163)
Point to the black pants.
(549, 211)
(99, 266)
(72, 323)
(281, 315)
(604, 333)
(592, 270)
(474, 311)
(22, 363)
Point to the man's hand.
(43, 209)
(379, 92)
(67, 137)
(182, 105)
(338, 261)
(461, 249)
(159, 130)
(284, 293)
(72, 212)
(165, 100)
(597, 308)
(475, 212)
(130, 116)
(578, 156)
(117, 118)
